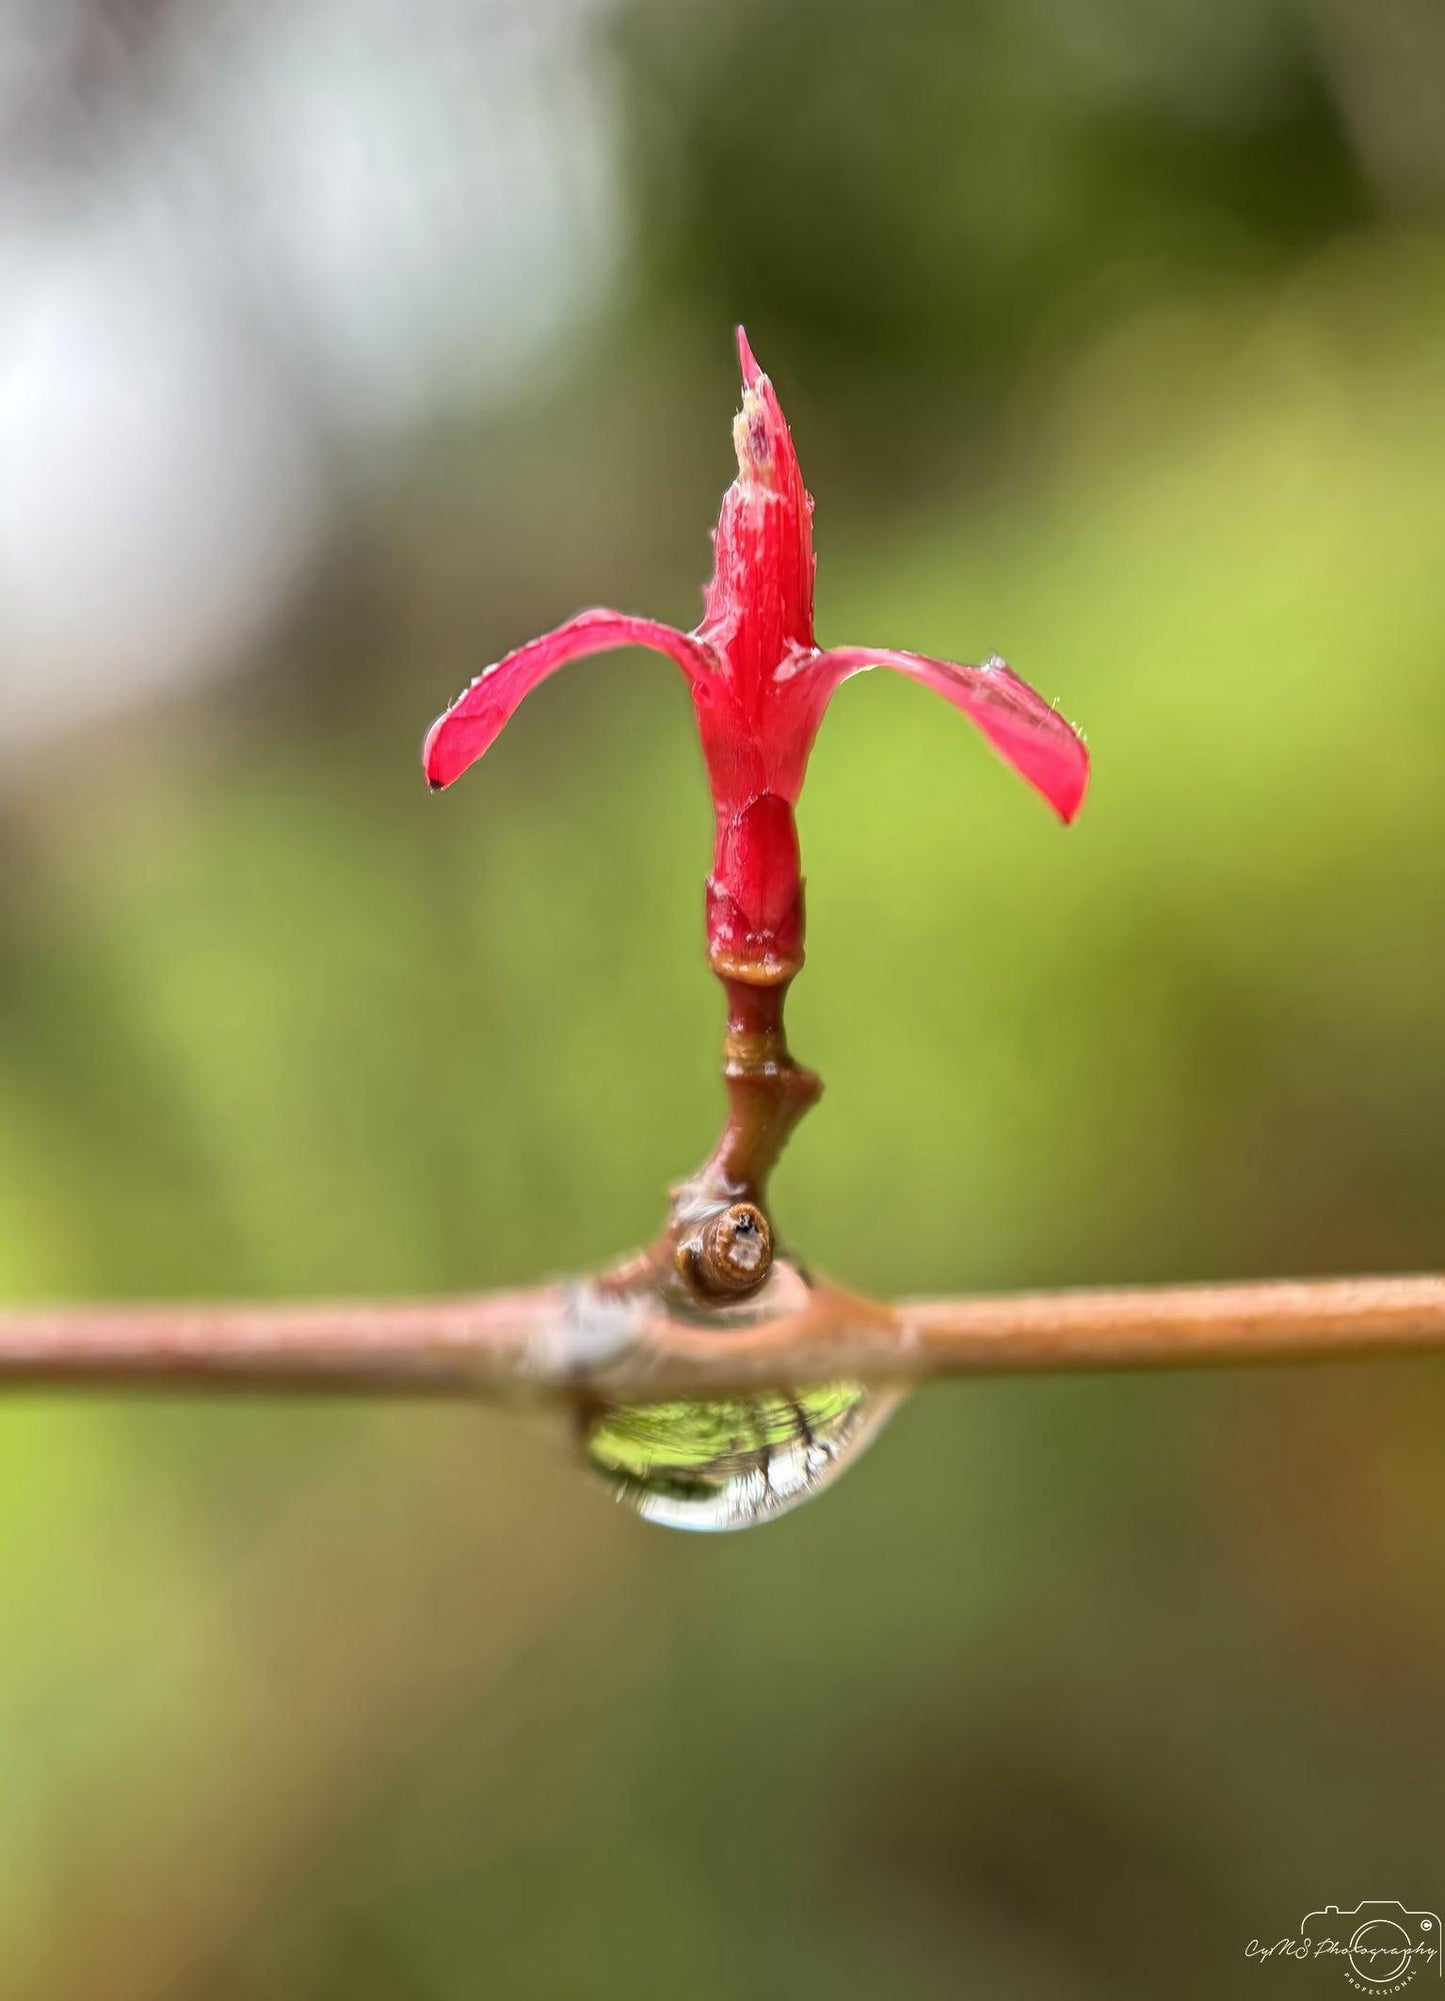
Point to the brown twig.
(580, 1341)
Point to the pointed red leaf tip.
(758, 608)
(747, 360)
(760, 686)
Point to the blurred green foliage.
(1073, 1688)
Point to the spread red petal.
(476, 719)
(1026, 732)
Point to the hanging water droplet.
(732, 1465)
(739, 1461)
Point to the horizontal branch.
(576, 1341)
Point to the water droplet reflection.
(740, 1461)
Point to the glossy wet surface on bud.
(729, 1253)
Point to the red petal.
(1018, 722)
(476, 719)
(758, 860)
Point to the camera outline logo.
(1383, 1944)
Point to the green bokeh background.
(1111, 341)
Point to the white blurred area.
(242, 248)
